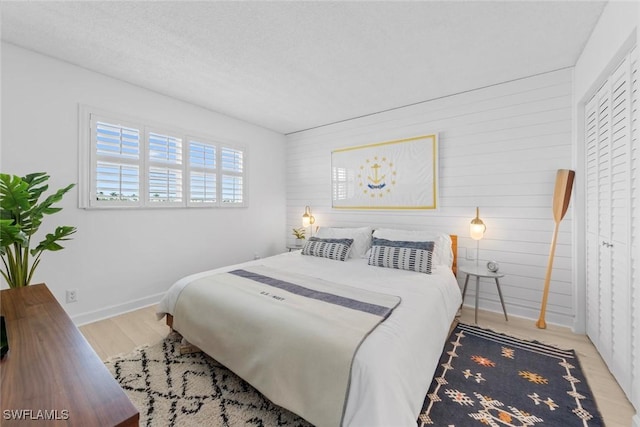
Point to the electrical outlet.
(72, 295)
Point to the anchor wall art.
(399, 174)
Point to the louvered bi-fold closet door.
(608, 125)
(620, 223)
(598, 179)
(591, 206)
(635, 227)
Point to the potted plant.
(299, 234)
(21, 215)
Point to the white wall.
(613, 36)
(616, 32)
(123, 259)
(500, 148)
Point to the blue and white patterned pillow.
(337, 249)
(413, 256)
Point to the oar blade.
(562, 193)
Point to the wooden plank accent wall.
(499, 149)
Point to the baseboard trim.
(115, 310)
(519, 311)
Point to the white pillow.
(442, 253)
(361, 238)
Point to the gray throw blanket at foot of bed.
(291, 336)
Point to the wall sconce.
(307, 218)
(476, 231)
(477, 227)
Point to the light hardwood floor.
(121, 334)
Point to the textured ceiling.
(292, 66)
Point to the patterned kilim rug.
(489, 379)
(483, 379)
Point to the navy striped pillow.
(412, 256)
(337, 249)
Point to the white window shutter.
(115, 168)
(165, 169)
(126, 164)
(233, 185)
(202, 173)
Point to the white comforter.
(394, 366)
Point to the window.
(203, 174)
(115, 175)
(165, 169)
(128, 164)
(232, 174)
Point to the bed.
(389, 372)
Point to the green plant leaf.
(50, 243)
(36, 214)
(10, 233)
(14, 195)
(34, 179)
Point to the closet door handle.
(606, 244)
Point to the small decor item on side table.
(493, 266)
(299, 233)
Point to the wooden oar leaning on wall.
(561, 198)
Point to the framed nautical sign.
(398, 174)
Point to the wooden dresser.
(51, 375)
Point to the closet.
(613, 222)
